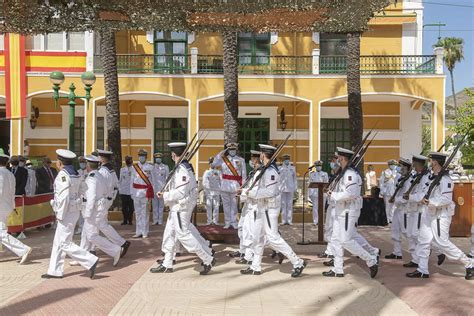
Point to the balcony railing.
(273, 65)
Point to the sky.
(458, 15)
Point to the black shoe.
(92, 269)
(93, 252)
(378, 255)
(178, 254)
(235, 254)
(329, 263)
(124, 249)
(393, 256)
(325, 255)
(160, 261)
(410, 264)
(441, 259)
(213, 252)
(49, 276)
(470, 256)
(281, 257)
(297, 271)
(130, 223)
(274, 254)
(417, 274)
(243, 261)
(249, 271)
(161, 269)
(469, 274)
(332, 274)
(208, 267)
(123, 223)
(373, 270)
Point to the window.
(76, 41)
(334, 132)
(169, 130)
(79, 136)
(252, 131)
(54, 41)
(73, 41)
(333, 44)
(34, 42)
(100, 134)
(170, 51)
(254, 48)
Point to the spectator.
(124, 191)
(20, 173)
(370, 179)
(45, 177)
(31, 183)
(26, 148)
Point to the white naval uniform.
(230, 186)
(7, 205)
(181, 200)
(80, 223)
(414, 209)
(95, 199)
(264, 226)
(348, 202)
(435, 223)
(111, 190)
(288, 185)
(370, 180)
(387, 187)
(160, 173)
(400, 217)
(30, 188)
(211, 182)
(66, 205)
(316, 176)
(140, 200)
(244, 229)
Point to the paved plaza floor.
(130, 289)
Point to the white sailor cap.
(254, 153)
(344, 152)
(419, 158)
(91, 158)
(441, 157)
(405, 162)
(177, 147)
(104, 153)
(65, 154)
(267, 148)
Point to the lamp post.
(57, 78)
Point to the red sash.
(235, 175)
(230, 177)
(148, 186)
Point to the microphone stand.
(303, 241)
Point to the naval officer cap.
(158, 155)
(91, 158)
(439, 157)
(82, 159)
(267, 149)
(254, 153)
(211, 159)
(344, 152)
(285, 156)
(318, 163)
(392, 162)
(232, 146)
(178, 147)
(404, 162)
(420, 158)
(104, 153)
(142, 152)
(66, 156)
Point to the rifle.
(266, 166)
(399, 186)
(437, 180)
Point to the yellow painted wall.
(382, 40)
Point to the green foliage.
(426, 138)
(464, 122)
(453, 50)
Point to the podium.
(464, 213)
(320, 186)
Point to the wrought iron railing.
(278, 65)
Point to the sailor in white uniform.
(160, 174)
(66, 205)
(387, 186)
(30, 188)
(82, 174)
(288, 186)
(211, 182)
(7, 206)
(317, 176)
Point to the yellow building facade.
(171, 86)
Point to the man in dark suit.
(45, 177)
(20, 173)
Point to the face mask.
(251, 164)
(29, 167)
(393, 167)
(21, 164)
(333, 165)
(319, 168)
(158, 160)
(286, 162)
(142, 159)
(232, 153)
(82, 166)
(398, 169)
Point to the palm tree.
(231, 86)
(111, 86)
(453, 53)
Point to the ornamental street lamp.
(57, 78)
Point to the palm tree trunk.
(353, 91)
(453, 93)
(231, 86)
(111, 86)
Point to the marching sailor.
(288, 185)
(400, 217)
(264, 227)
(387, 186)
(7, 206)
(66, 205)
(82, 174)
(316, 176)
(160, 173)
(211, 182)
(181, 199)
(233, 174)
(348, 202)
(142, 193)
(435, 222)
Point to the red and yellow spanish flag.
(15, 76)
